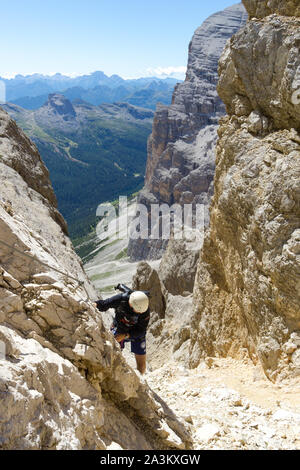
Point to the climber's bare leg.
(141, 362)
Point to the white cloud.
(7, 75)
(164, 72)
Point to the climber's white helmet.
(139, 301)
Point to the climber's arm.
(111, 302)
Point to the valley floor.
(229, 404)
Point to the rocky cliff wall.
(63, 381)
(181, 149)
(260, 9)
(246, 295)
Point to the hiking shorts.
(138, 345)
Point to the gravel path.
(229, 404)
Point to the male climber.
(130, 321)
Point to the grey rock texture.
(64, 383)
(180, 164)
(260, 72)
(178, 267)
(259, 9)
(146, 278)
(21, 155)
(246, 295)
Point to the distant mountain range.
(93, 153)
(31, 91)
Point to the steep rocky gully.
(223, 343)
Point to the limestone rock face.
(260, 9)
(178, 267)
(146, 278)
(20, 154)
(64, 383)
(181, 149)
(246, 295)
(260, 71)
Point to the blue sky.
(131, 38)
